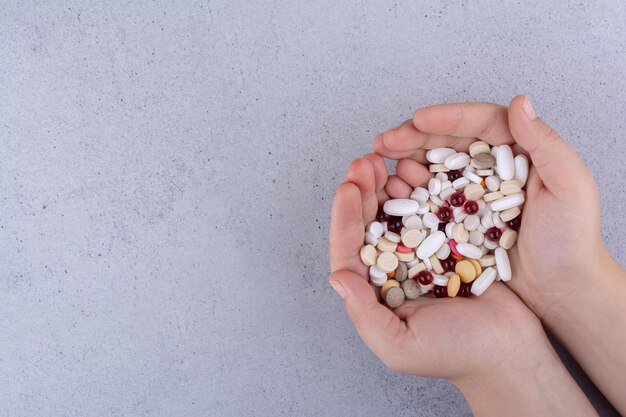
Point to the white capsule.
(375, 228)
(443, 252)
(420, 194)
(493, 183)
(484, 280)
(504, 162)
(439, 155)
(508, 202)
(457, 161)
(400, 207)
(469, 251)
(434, 186)
(476, 238)
(430, 245)
(430, 220)
(471, 176)
(502, 264)
(460, 183)
(440, 280)
(521, 169)
(428, 264)
(471, 222)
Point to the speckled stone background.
(166, 176)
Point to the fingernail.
(527, 106)
(339, 288)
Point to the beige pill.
(483, 161)
(411, 289)
(510, 187)
(387, 285)
(465, 270)
(412, 238)
(405, 257)
(438, 168)
(489, 197)
(416, 270)
(369, 255)
(459, 233)
(474, 192)
(386, 245)
(387, 262)
(436, 264)
(508, 238)
(476, 266)
(479, 147)
(454, 283)
(510, 214)
(433, 207)
(401, 272)
(487, 260)
(394, 297)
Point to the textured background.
(167, 171)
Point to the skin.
(561, 268)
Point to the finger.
(558, 165)
(397, 188)
(486, 121)
(413, 173)
(379, 147)
(381, 330)
(361, 173)
(346, 230)
(380, 174)
(406, 138)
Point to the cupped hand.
(559, 244)
(458, 339)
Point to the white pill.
(430, 245)
(412, 263)
(439, 155)
(508, 202)
(378, 277)
(442, 176)
(401, 207)
(446, 184)
(434, 186)
(492, 183)
(460, 183)
(484, 172)
(497, 221)
(521, 169)
(371, 239)
(505, 163)
(471, 222)
(430, 220)
(424, 208)
(436, 200)
(487, 220)
(490, 244)
(449, 228)
(469, 251)
(420, 194)
(440, 280)
(482, 229)
(482, 208)
(472, 177)
(476, 237)
(392, 236)
(443, 252)
(424, 289)
(375, 228)
(502, 264)
(446, 192)
(484, 250)
(384, 227)
(413, 222)
(494, 151)
(457, 161)
(484, 280)
(460, 217)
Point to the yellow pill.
(454, 283)
(477, 267)
(389, 284)
(466, 271)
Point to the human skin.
(491, 347)
(561, 267)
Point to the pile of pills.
(452, 237)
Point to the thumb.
(381, 330)
(556, 162)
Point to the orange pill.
(391, 274)
(457, 257)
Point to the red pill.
(442, 227)
(515, 223)
(493, 234)
(466, 289)
(470, 207)
(455, 174)
(394, 224)
(382, 216)
(403, 249)
(448, 264)
(440, 291)
(444, 214)
(453, 247)
(457, 199)
(424, 277)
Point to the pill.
(411, 238)
(457, 161)
(430, 220)
(472, 177)
(387, 262)
(476, 237)
(510, 214)
(434, 186)
(375, 228)
(482, 229)
(370, 239)
(459, 233)
(411, 289)
(494, 150)
(391, 274)
(434, 261)
(392, 237)
(508, 238)
(448, 230)
(413, 222)
(377, 276)
(460, 216)
(438, 168)
(492, 183)
(445, 185)
(502, 264)
(454, 283)
(436, 200)
(405, 257)
(432, 207)
(508, 202)
(473, 192)
(484, 172)
(424, 208)
(505, 163)
(483, 161)
(447, 193)
(468, 250)
(440, 280)
(471, 222)
(412, 263)
(497, 221)
(489, 197)
(387, 285)
(369, 255)
(465, 270)
(484, 281)
(483, 249)
(510, 187)
(426, 288)
(443, 252)
(441, 176)
(426, 261)
(490, 244)
(401, 272)
(403, 249)
(478, 147)
(420, 194)
(521, 169)
(476, 265)
(394, 297)
(400, 207)
(414, 270)
(487, 260)
(439, 155)
(385, 245)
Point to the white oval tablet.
(443, 252)
(430, 245)
(434, 186)
(521, 169)
(484, 280)
(401, 207)
(420, 194)
(502, 264)
(508, 202)
(457, 161)
(439, 155)
(505, 163)
(469, 251)
(430, 220)
(472, 177)
(460, 183)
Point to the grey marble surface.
(167, 170)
